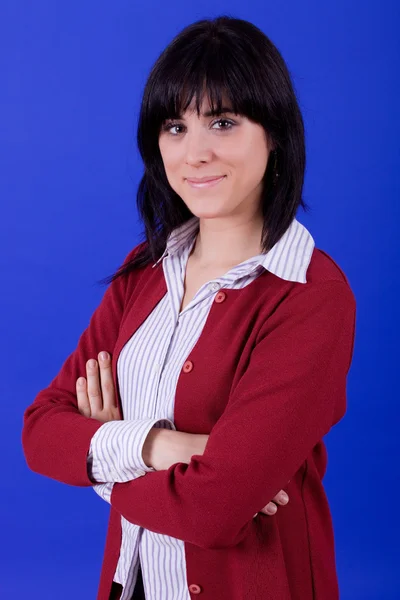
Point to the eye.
(169, 126)
(228, 121)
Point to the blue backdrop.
(72, 75)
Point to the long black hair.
(231, 58)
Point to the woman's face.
(226, 145)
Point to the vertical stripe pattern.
(148, 369)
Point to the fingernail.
(284, 498)
(272, 509)
(92, 363)
(103, 355)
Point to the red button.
(194, 588)
(220, 297)
(188, 366)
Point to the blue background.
(72, 74)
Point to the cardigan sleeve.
(55, 436)
(292, 392)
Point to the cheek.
(248, 163)
(170, 157)
(172, 169)
(254, 160)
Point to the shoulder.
(324, 269)
(326, 300)
(327, 283)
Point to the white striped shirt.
(148, 369)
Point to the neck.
(221, 243)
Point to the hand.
(163, 448)
(96, 394)
(270, 509)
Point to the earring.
(275, 169)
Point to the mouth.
(205, 183)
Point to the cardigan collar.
(288, 259)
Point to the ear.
(271, 143)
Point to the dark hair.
(228, 57)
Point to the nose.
(197, 147)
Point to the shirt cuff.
(104, 490)
(115, 453)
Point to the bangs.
(208, 69)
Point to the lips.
(203, 179)
(205, 182)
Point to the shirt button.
(194, 588)
(188, 366)
(220, 297)
(214, 286)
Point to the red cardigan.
(267, 380)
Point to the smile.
(205, 184)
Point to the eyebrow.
(224, 109)
(213, 113)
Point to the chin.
(207, 213)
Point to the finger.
(270, 509)
(93, 387)
(82, 397)
(106, 379)
(281, 498)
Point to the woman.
(228, 338)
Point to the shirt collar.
(288, 259)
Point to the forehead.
(206, 107)
(205, 97)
